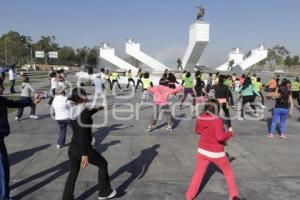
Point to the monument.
(198, 40)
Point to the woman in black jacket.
(81, 152)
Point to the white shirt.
(53, 83)
(12, 75)
(61, 107)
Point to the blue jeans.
(279, 114)
(4, 171)
(62, 131)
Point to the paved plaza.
(157, 166)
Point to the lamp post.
(5, 51)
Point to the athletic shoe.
(58, 146)
(149, 129)
(283, 136)
(112, 195)
(240, 118)
(263, 107)
(270, 135)
(17, 118)
(169, 129)
(34, 117)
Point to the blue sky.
(161, 26)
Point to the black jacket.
(4, 104)
(82, 135)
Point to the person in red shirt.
(211, 149)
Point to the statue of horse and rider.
(201, 13)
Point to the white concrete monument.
(235, 56)
(134, 49)
(255, 57)
(198, 40)
(107, 53)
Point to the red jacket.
(211, 130)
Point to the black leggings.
(75, 163)
(130, 80)
(138, 83)
(227, 115)
(248, 99)
(295, 95)
(262, 98)
(116, 81)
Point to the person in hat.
(61, 106)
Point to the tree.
(295, 60)
(66, 56)
(92, 57)
(81, 55)
(16, 46)
(288, 61)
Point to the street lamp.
(5, 51)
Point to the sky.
(161, 26)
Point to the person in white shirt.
(12, 74)
(100, 91)
(53, 86)
(61, 106)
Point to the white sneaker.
(34, 117)
(169, 129)
(58, 146)
(112, 195)
(240, 118)
(263, 107)
(17, 118)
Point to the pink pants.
(203, 162)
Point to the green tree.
(16, 46)
(92, 57)
(66, 56)
(81, 55)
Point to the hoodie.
(161, 93)
(211, 130)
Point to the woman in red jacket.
(211, 149)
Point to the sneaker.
(149, 129)
(240, 118)
(34, 117)
(169, 129)
(263, 107)
(17, 118)
(283, 136)
(270, 135)
(58, 146)
(112, 195)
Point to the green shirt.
(295, 86)
(257, 86)
(188, 83)
(249, 91)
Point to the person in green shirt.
(253, 78)
(295, 87)
(258, 86)
(139, 76)
(249, 94)
(183, 77)
(115, 77)
(147, 83)
(188, 88)
(130, 79)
